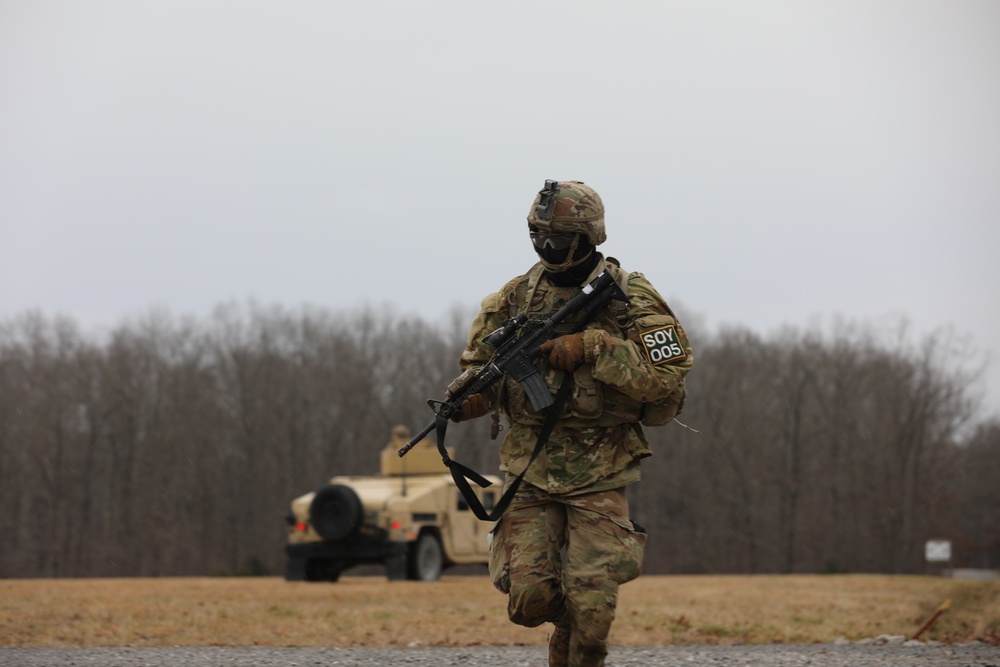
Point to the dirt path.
(814, 655)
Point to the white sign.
(938, 551)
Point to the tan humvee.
(410, 518)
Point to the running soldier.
(566, 542)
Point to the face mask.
(559, 252)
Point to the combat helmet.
(569, 207)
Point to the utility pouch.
(628, 565)
(663, 411)
(499, 559)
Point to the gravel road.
(814, 655)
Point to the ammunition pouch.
(663, 411)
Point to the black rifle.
(514, 356)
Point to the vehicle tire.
(335, 512)
(426, 559)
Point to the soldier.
(566, 542)
(400, 436)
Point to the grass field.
(467, 611)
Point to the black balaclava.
(574, 272)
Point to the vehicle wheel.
(426, 558)
(335, 512)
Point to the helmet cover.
(569, 207)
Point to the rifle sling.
(462, 474)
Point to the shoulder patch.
(662, 345)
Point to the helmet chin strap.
(569, 262)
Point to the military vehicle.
(411, 518)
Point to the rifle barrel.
(417, 438)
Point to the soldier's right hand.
(565, 352)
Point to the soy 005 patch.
(662, 345)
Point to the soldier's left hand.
(472, 407)
(565, 352)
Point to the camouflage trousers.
(561, 560)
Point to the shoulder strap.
(620, 308)
(534, 276)
(528, 282)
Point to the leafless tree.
(172, 445)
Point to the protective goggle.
(545, 240)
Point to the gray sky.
(764, 164)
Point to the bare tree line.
(824, 454)
(173, 446)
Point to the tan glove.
(565, 352)
(472, 407)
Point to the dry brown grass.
(467, 611)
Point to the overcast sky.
(763, 163)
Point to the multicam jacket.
(634, 355)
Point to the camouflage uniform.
(566, 542)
